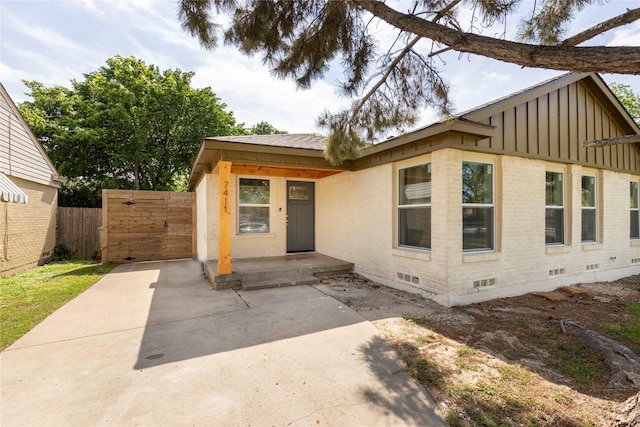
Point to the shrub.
(61, 252)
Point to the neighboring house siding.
(5, 113)
(27, 230)
(20, 156)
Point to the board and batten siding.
(19, 155)
(554, 125)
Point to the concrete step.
(276, 271)
(279, 282)
(295, 271)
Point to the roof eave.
(213, 144)
(456, 124)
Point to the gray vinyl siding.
(553, 126)
(19, 154)
(4, 135)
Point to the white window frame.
(558, 207)
(636, 209)
(592, 208)
(255, 205)
(491, 206)
(400, 207)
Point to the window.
(589, 214)
(414, 206)
(477, 206)
(254, 201)
(554, 209)
(635, 217)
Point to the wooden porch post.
(224, 231)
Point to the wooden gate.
(147, 225)
(79, 230)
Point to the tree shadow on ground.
(400, 394)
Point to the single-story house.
(498, 201)
(29, 185)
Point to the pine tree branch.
(404, 52)
(386, 75)
(445, 10)
(622, 60)
(627, 139)
(626, 18)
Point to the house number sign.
(225, 195)
(298, 193)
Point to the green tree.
(628, 98)
(390, 83)
(127, 125)
(264, 128)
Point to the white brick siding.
(356, 222)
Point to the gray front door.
(300, 216)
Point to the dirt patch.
(505, 361)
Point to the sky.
(56, 41)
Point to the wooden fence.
(147, 225)
(79, 230)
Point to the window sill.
(254, 235)
(481, 256)
(559, 249)
(421, 255)
(635, 243)
(594, 246)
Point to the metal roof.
(9, 192)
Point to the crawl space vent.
(408, 278)
(484, 283)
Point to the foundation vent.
(556, 272)
(635, 260)
(591, 267)
(477, 284)
(408, 278)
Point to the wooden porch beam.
(249, 169)
(224, 232)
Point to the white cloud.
(90, 5)
(248, 89)
(43, 34)
(494, 76)
(626, 36)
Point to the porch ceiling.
(250, 159)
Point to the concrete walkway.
(152, 345)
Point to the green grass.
(28, 298)
(629, 331)
(579, 362)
